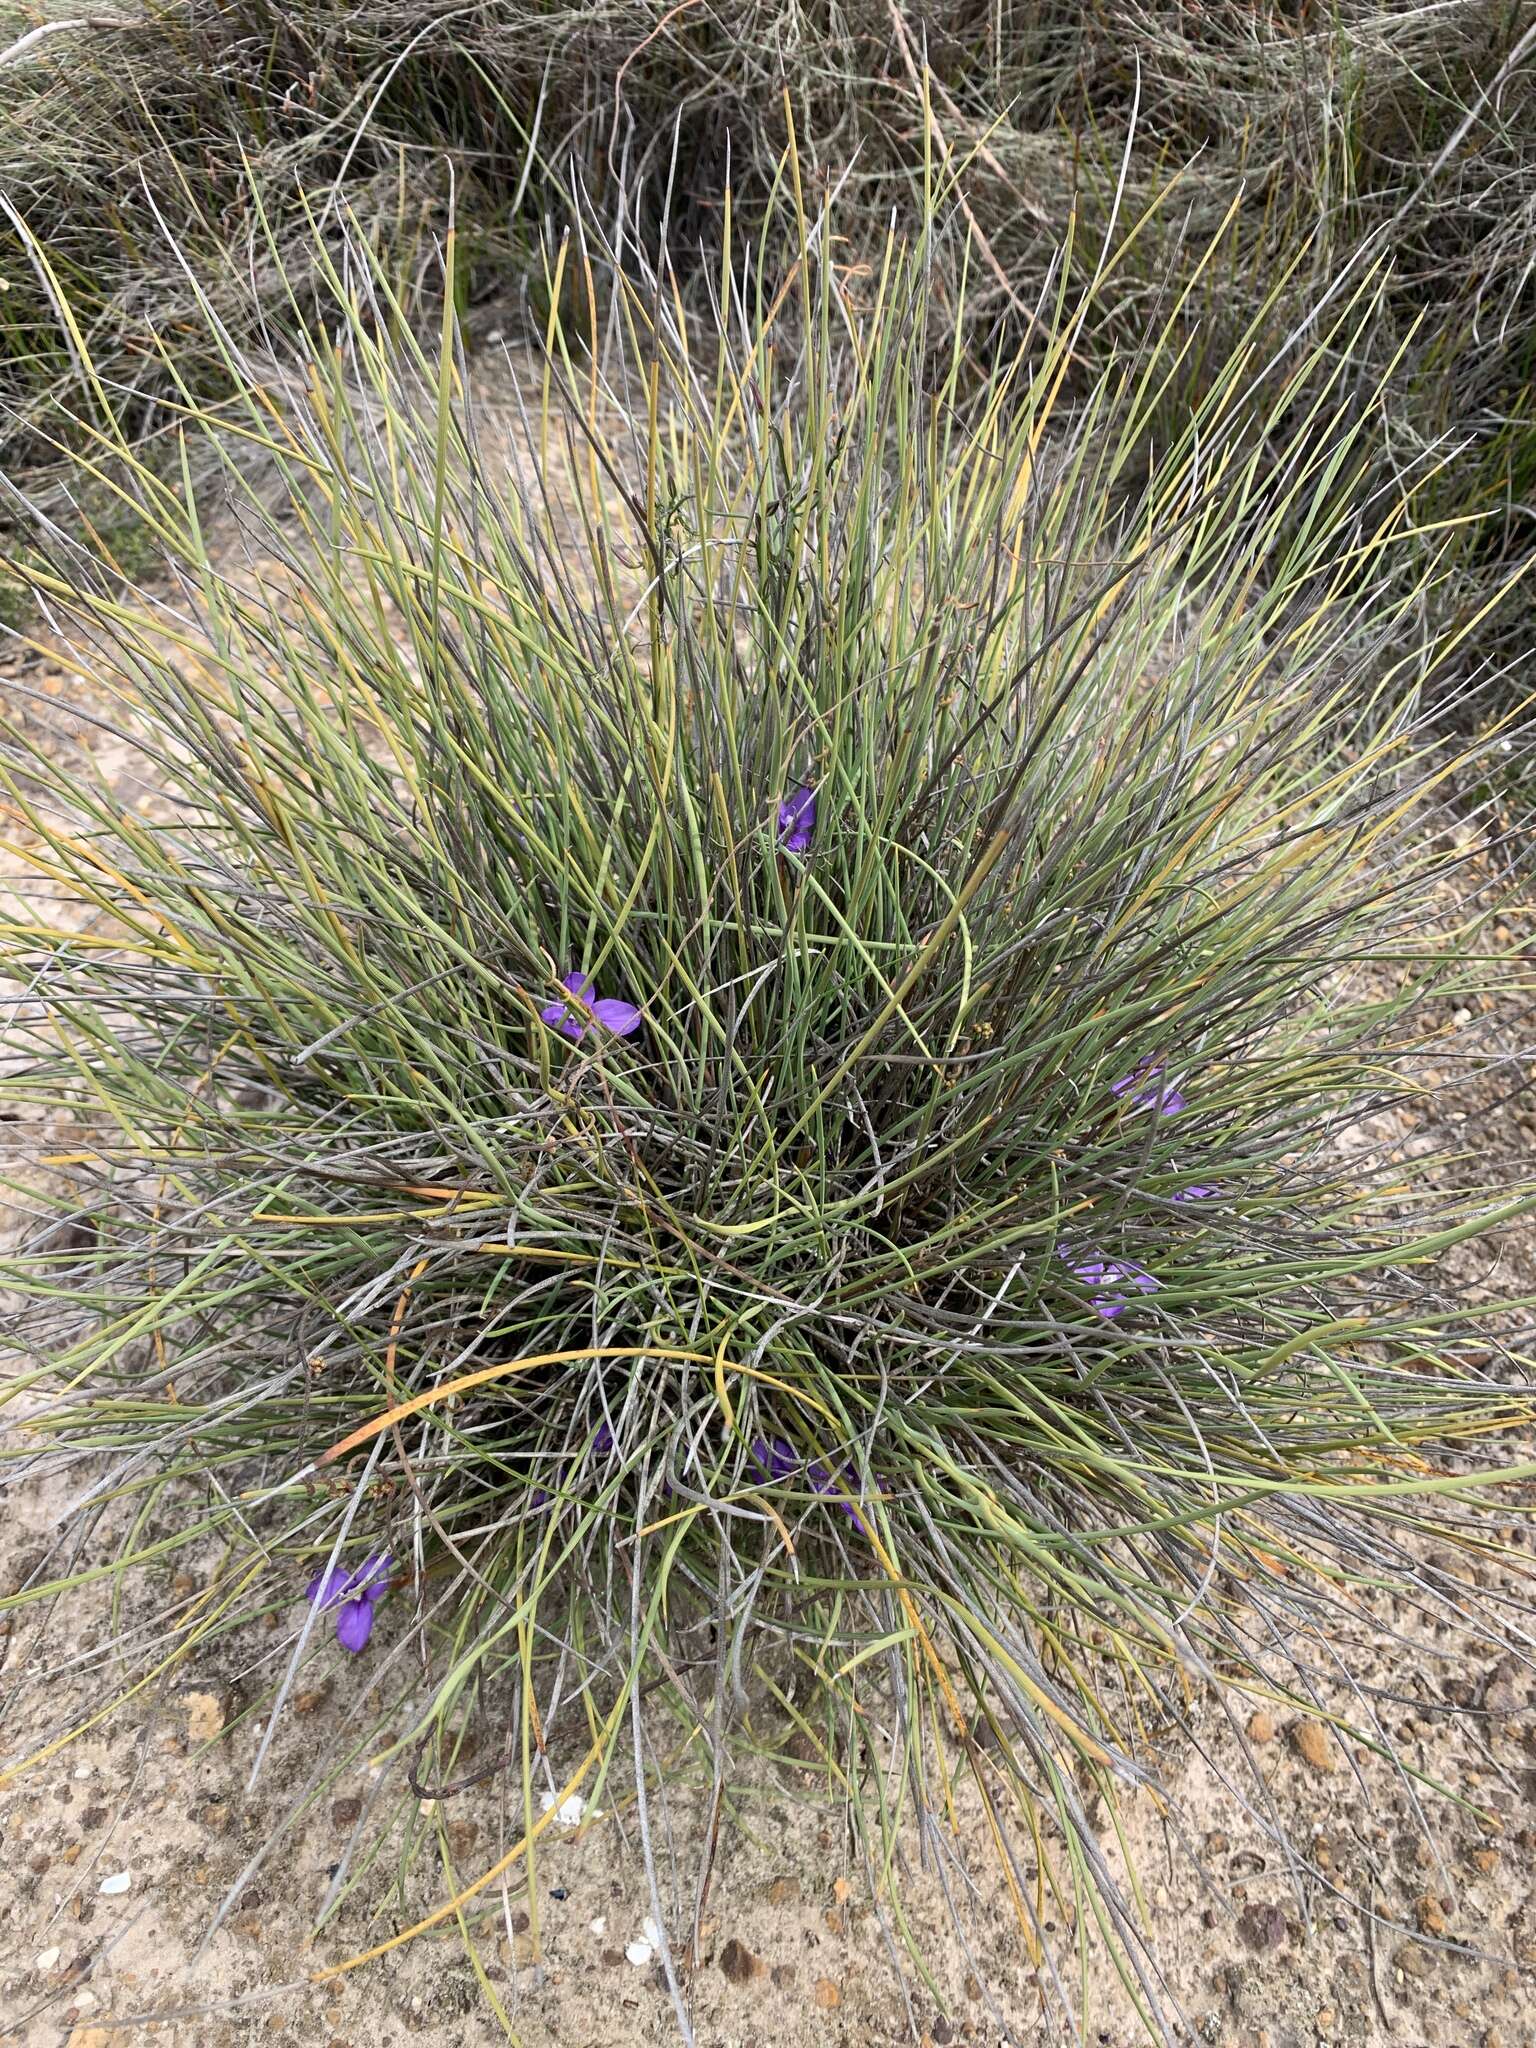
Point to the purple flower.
(572, 1018)
(776, 1460)
(797, 819)
(1161, 1093)
(1112, 1277)
(1196, 1194)
(328, 1586)
(353, 1596)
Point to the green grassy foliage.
(767, 1345)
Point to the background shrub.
(1222, 146)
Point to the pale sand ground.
(1256, 1953)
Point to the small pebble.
(1430, 1915)
(1262, 1927)
(205, 1716)
(46, 1961)
(738, 1963)
(640, 1953)
(1314, 1745)
(114, 1887)
(600, 1924)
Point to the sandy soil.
(121, 1847)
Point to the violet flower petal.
(561, 1015)
(622, 1019)
(826, 1482)
(1111, 1276)
(330, 1584)
(1128, 1081)
(797, 819)
(571, 1019)
(558, 1015)
(1167, 1098)
(354, 1624)
(371, 1579)
(775, 1459)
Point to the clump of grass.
(946, 1315)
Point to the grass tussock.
(943, 1280)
